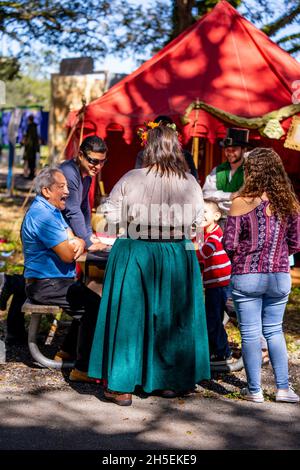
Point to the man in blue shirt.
(50, 250)
(79, 172)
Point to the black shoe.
(6, 292)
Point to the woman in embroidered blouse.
(151, 330)
(263, 228)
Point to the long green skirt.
(151, 329)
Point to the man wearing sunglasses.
(79, 172)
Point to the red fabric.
(214, 259)
(222, 59)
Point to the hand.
(98, 246)
(94, 239)
(79, 246)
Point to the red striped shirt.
(214, 259)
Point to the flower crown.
(142, 132)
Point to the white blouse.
(149, 199)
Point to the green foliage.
(44, 31)
(9, 68)
(27, 91)
(295, 293)
(233, 395)
(7, 246)
(275, 18)
(14, 263)
(93, 27)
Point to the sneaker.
(80, 376)
(216, 360)
(287, 395)
(257, 397)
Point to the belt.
(156, 233)
(29, 280)
(160, 240)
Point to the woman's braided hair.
(264, 172)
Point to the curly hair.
(163, 151)
(264, 172)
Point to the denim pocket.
(248, 283)
(283, 283)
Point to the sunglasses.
(94, 161)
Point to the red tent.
(222, 60)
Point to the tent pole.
(196, 151)
(82, 122)
(208, 157)
(196, 139)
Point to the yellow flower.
(152, 124)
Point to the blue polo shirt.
(43, 228)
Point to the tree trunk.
(182, 16)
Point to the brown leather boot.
(80, 376)
(119, 398)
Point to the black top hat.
(236, 138)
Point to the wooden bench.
(37, 311)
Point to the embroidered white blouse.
(149, 199)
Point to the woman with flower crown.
(151, 329)
(163, 120)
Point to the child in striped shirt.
(216, 270)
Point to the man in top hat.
(226, 179)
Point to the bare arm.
(243, 205)
(70, 250)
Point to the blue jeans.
(260, 300)
(215, 305)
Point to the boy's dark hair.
(93, 143)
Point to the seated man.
(50, 250)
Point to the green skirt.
(151, 329)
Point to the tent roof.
(222, 60)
